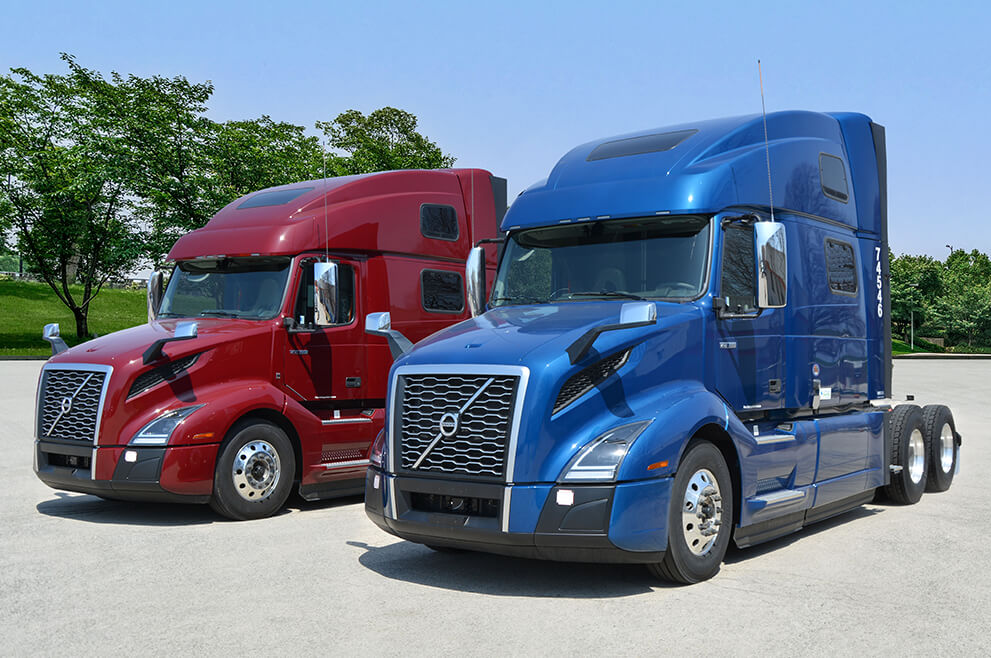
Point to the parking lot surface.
(79, 575)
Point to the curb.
(934, 355)
(22, 358)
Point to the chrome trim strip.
(353, 462)
(774, 438)
(505, 508)
(778, 497)
(86, 367)
(391, 507)
(465, 369)
(341, 421)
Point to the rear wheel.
(254, 471)
(909, 451)
(700, 517)
(941, 437)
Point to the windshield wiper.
(220, 312)
(520, 299)
(606, 293)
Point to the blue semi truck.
(687, 343)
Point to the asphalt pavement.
(81, 576)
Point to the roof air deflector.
(639, 145)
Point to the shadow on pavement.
(735, 555)
(91, 509)
(497, 575)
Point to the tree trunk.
(82, 329)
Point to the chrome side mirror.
(51, 334)
(380, 324)
(154, 294)
(638, 313)
(324, 294)
(184, 330)
(772, 264)
(475, 281)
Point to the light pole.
(911, 315)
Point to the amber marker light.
(656, 465)
(209, 435)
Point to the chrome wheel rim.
(256, 471)
(916, 456)
(701, 512)
(946, 448)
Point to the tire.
(702, 486)
(941, 438)
(254, 472)
(908, 450)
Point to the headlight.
(599, 460)
(158, 431)
(377, 455)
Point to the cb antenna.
(326, 235)
(767, 148)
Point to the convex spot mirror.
(772, 264)
(324, 294)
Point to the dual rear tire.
(924, 444)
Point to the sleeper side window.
(841, 267)
(442, 291)
(439, 222)
(832, 176)
(738, 280)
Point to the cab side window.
(738, 280)
(345, 295)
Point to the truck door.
(746, 341)
(324, 365)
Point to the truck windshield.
(643, 258)
(250, 288)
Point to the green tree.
(245, 156)
(916, 282)
(385, 139)
(963, 309)
(64, 183)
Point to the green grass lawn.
(26, 307)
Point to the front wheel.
(700, 517)
(254, 471)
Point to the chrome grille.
(69, 404)
(476, 444)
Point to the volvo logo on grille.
(66, 405)
(448, 424)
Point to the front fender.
(223, 406)
(682, 408)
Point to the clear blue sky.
(511, 86)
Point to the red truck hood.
(123, 349)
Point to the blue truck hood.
(537, 337)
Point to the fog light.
(565, 497)
(130, 456)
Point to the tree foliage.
(385, 139)
(98, 174)
(64, 183)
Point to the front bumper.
(600, 525)
(181, 474)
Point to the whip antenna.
(767, 148)
(326, 234)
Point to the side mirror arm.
(380, 324)
(51, 334)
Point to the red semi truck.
(255, 371)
